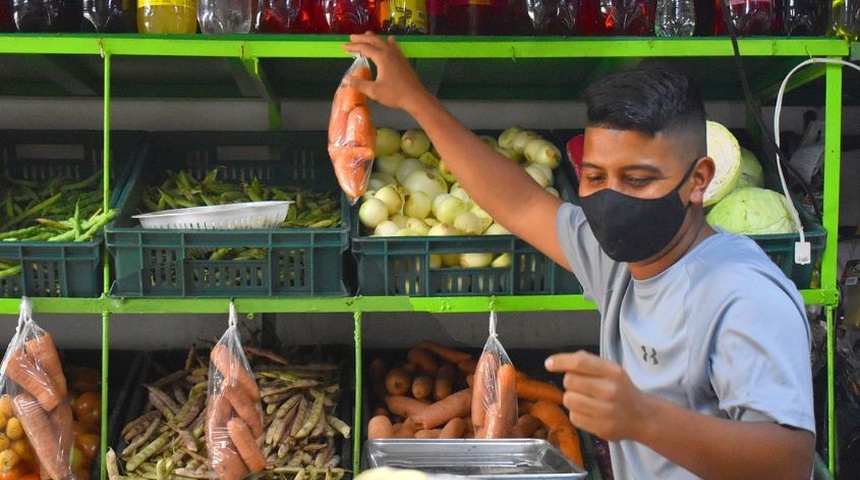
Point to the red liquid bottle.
(351, 16)
(477, 17)
(294, 16)
(625, 17)
(589, 20)
(5, 17)
(749, 17)
(437, 16)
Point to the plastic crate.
(780, 249)
(300, 261)
(59, 269)
(401, 265)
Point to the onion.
(510, 154)
(447, 209)
(476, 260)
(442, 230)
(538, 175)
(458, 191)
(450, 260)
(543, 152)
(399, 219)
(485, 218)
(468, 223)
(372, 212)
(375, 184)
(506, 138)
(417, 205)
(384, 177)
(405, 232)
(489, 140)
(392, 198)
(502, 261)
(446, 174)
(496, 229)
(431, 221)
(387, 141)
(388, 163)
(414, 142)
(386, 229)
(428, 181)
(435, 260)
(429, 160)
(407, 166)
(417, 225)
(522, 138)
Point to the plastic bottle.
(437, 17)
(799, 18)
(351, 16)
(749, 17)
(5, 17)
(627, 17)
(224, 16)
(675, 18)
(47, 15)
(549, 17)
(477, 17)
(167, 16)
(705, 12)
(845, 19)
(108, 16)
(402, 16)
(589, 19)
(279, 16)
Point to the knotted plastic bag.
(33, 384)
(351, 133)
(234, 417)
(494, 390)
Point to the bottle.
(477, 17)
(675, 18)
(437, 13)
(47, 15)
(402, 16)
(224, 16)
(845, 19)
(108, 16)
(350, 16)
(627, 17)
(749, 17)
(520, 17)
(553, 17)
(279, 16)
(799, 18)
(589, 19)
(167, 16)
(705, 12)
(5, 17)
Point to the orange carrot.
(410, 368)
(536, 390)
(35, 381)
(404, 406)
(246, 444)
(455, 428)
(502, 414)
(351, 136)
(559, 427)
(525, 426)
(397, 381)
(233, 371)
(42, 436)
(525, 406)
(247, 409)
(405, 430)
(541, 432)
(430, 433)
(381, 411)
(485, 373)
(379, 427)
(226, 461)
(568, 443)
(422, 387)
(424, 360)
(439, 413)
(44, 353)
(468, 366)
(444, 384)
(446, 353)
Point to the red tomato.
(87, 408)
(85, 380)
(79, 460)
(89, 443)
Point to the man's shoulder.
(731, 261)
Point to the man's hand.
(599, 394)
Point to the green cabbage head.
(752, 211)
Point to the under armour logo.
(653, 355)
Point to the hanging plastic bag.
(32, 381)
(234, 418)
(494, 390)
(351, 134)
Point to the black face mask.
(631, 229)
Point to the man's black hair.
(649, 98)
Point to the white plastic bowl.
(234, 216)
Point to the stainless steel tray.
(507, 459)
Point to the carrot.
(35, 381)
(410, 368)
(430, 433)
(455, 428)
(246, 408)
(525, 426)
(44, 353)
(568, 443)
(397, 382)
(404, 406)
(439, 413)
(380, 411)
(541, 432)
(405, 430)
(379, 427)
(226, 461)
(234, 371)
(42, 436)
(246, 444)
(468, 366)
(444, 384)
(502, 414)
(443, 352)
(351, 136)
(525, 406)
(423, 360)
(536, 390)
(422, 387)
(485, 374)
(559, 426)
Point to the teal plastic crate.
(59, 269)
(166, 263)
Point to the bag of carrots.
(234, 417)
(351, 133)
(31, 375)
(494, 389)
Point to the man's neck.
(691, 235)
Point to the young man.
(704, 369)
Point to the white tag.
(802, 253)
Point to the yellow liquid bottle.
(167, 16)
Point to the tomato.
(85, 380)
(30, 476)
(79, 428)
(87, 408)
(89, 443)
(11, 474)
(81, 473)
(79, 460)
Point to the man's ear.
(701, 178)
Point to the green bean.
(8, 272)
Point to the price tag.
(802, 253)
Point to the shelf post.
(356, 420)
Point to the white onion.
(375, 184)
(427, 181)
(417, 225)
(448, 208)
(387, 141)
(476, 260)
(538, 175)
(489, 140)
(468, 223)
(510, 154)
(405, 232)
(506, 138)
(522, 138)
(502, 261)
(435, 260)
(386, 229)
(414, 142)
(399, 219)
(372, 212)
(543, 152)
(442, 230)
(417, 204)
(485, 218)
(390, 195)
(429, 160)
(496, 229)
(431, 221)
(407, 166)
(446, 174)
(458, 191)
(388, 163)
(450, 259)
(383, 177)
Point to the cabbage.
(752, 211)
(724, 149)
(752, 174)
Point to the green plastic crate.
(59, 269)
(300, 261)
(780, 249)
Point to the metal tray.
(507, 459)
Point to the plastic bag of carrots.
(494, 390)
(32, 379)
(351, 133)
(234, 417)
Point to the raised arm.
(495, 183)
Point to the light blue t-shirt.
(722, 332)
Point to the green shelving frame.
(589, 58)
